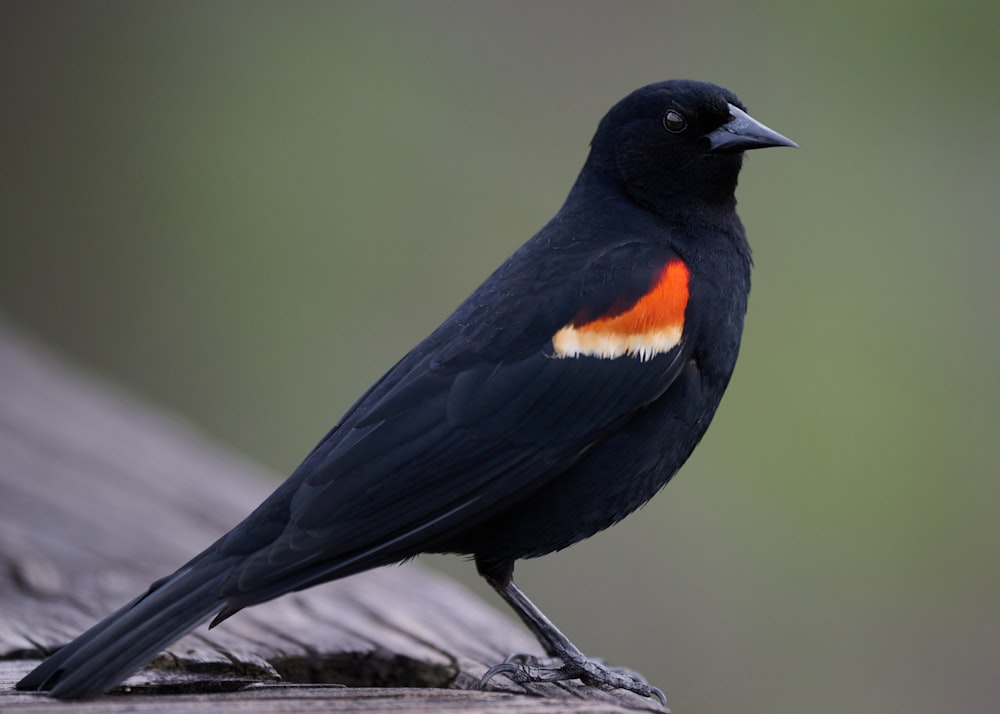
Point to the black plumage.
(490, 438)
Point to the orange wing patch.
(650, 327)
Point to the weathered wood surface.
(100, 495)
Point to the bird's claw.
(524, 669)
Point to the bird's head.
(678, 138)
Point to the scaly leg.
(565, 660)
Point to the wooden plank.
(100, 495)
(284, 698)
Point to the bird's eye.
(674, 121)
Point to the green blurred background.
(245, 212)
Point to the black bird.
(557, 399)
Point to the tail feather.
(117, 646)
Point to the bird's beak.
(743, 132)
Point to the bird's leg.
(565, 660)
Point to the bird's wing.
(477, 417)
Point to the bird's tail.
(114, 648)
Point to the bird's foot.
(524, 669)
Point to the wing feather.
(458, 431)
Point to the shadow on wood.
(100, 495)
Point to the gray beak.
(742, 133)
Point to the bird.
(559, 397)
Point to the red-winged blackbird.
(557, 399)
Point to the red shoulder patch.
(652, 326)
